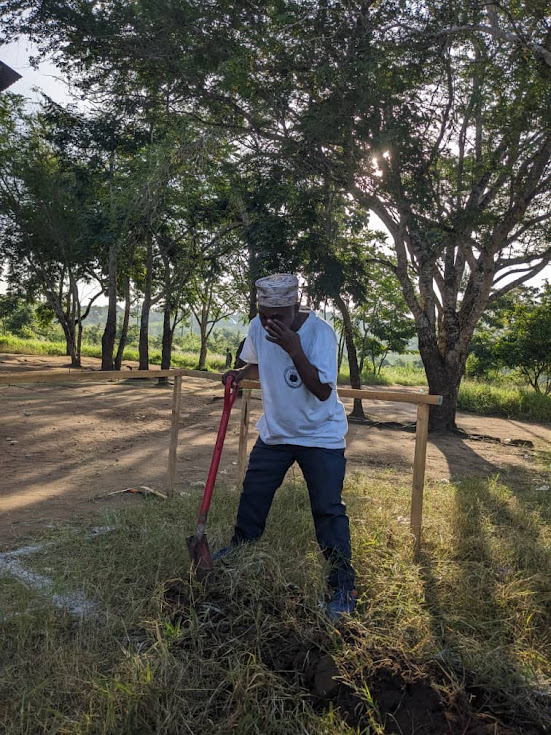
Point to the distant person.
(239, 363)
(228, 358)
(294, 353)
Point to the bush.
(510, 402)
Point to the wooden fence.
(423, 401)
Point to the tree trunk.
(68, 326)
(124, 327)
(127, 307)
(444, 383)
(56, 302)
(168, 333)
(79, 342)
(203, 320)
(70, 342)
(110, 331)
(146, 308)
(340, 351)
(362, 354)
(355, 380)
(203, 351)
(168, 328)
(75, 326)
(444, 378)
(78, 346)
(253, 276)
(167, 340)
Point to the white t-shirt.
(292, 414)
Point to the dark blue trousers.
(323, 470)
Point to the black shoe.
(221, 553)
(342, 603)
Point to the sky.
(47, 79)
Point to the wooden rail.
(97, 376)
(423, 401)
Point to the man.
(294, 353)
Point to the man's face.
(284, 314)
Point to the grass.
(406, 375)
(188, 360)
(514, 402)
(19, 346)
(472, 618)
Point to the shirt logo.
(292, 378)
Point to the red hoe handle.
(230, 394)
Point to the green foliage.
(526, 342)
(432, 116)
(405, 374)
(223, 338)
(92, 334)
(515, 333)
(20, 346)
(484, 358)
(16, 315)
(22, 319)
(382, 319)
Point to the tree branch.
(539, 51)
(519, 281)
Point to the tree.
(483, 360)
(121, 225)
(43, 193)
(383, 320)
(211, 299)
(526, 342)
(341, 249)
(197, 237)
(15, 314)
(435, 117)
(444, 136)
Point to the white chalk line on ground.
(74, 603)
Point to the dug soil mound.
(365, 685)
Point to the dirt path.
(63, 445)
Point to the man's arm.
(309, 374)
(290, 342)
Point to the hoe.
(197, 544)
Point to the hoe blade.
(201, 560)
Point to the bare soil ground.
(63, 445)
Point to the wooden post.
(243, 436)
(176, 403)
(421, 435)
